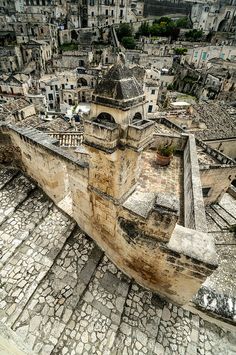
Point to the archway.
(82, 82)
(105, 119)
(222, 25)
(137, 117)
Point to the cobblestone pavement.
(61, 295)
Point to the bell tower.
(116, 132)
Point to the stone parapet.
(138, 134)
(194, 210)
(101, 136)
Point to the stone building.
(108, 12)
(15, 85)
(10, 59)
(217, 16)
(200, 55)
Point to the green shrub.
(166, 149)
(128, 42)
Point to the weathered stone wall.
(226, 146)
(218, 180)
(163, 8)
(134, 235)
(178, 142)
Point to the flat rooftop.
(165, 179)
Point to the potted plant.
(165, 154)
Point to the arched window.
(105, 119)
(137, 117)
(82, 82)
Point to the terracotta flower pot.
(162, 160)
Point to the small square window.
(206, 191)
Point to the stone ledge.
(195, 244)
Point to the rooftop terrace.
(165, 179)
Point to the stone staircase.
(60, 294)
(218, 293)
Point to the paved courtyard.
(166, 179)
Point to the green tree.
(144, 29)
(194, 35)
(183, 22)
(180, 51)
(124, 30)
(163, 19)
(128, 42)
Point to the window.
(121, 13)
(92, 14)
(63, 86)
(91, 3)
(206, 191)
(51, 87)
(150, 108)
(106, 12)
(112, 13)
(72, 87)
(153, 92)
(222, 55)
(204, 55)
(56, 87)
(50, 97)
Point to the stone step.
(228, 203)
(30, 263)
(95, 321)
(229, 219)
(6, 175)
(50, 308)
(217, 219)
(212, 226)
(139, 324)
(14, 193)
(20, 225)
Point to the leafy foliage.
(128, 42)
(164, 26)
(166, 149)
(194, 35)
(68, 47)
(124, 30)
(180, 51)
